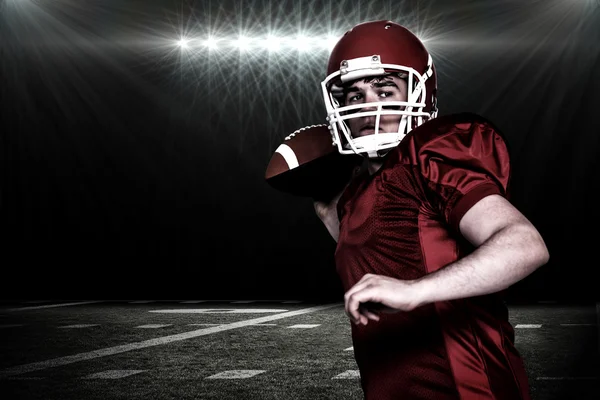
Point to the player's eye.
(355, 98)
(386, 94)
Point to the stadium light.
(210, 43)
(302, 43)
(243, 43)
(273, 43)
(183, 43)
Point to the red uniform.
(402, 222)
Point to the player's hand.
(375, 294)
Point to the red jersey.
(402, 222)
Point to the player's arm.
(327, 213)
(474, 160)
(509, 248)
(326, 210)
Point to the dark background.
(133, 167)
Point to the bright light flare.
(330, 42)
(273, 43)
(243, 43)
(211, 43)
(183, 43)
(302, 43)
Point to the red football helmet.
(368, 50)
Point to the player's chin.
(367, 132)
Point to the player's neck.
(373, 165)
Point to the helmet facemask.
(410, 111)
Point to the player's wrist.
(423, 291)
(327, 215)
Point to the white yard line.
(114, 374)
(51, 306)
(219, 311)
(108, 351)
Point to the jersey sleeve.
(466, 163)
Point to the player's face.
(370, 90)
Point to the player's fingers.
(348, 295)
(351, 306)
(351, 309)
(366, 281)
(370, 314)
(353, 302)
(366, 277)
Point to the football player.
(427, 238)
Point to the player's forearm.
(331, 222)
(507, 257)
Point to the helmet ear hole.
(387, 26)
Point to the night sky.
(134, 166)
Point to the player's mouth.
(368, 129)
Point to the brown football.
(308, 164)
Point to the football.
(308, 164)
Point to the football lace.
(291, 135)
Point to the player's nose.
(369, 99)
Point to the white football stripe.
(288, 155)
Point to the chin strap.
(375, 153)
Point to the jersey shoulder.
(448, 134)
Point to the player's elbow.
(537, 249)
(531, 251)
(544, 254)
